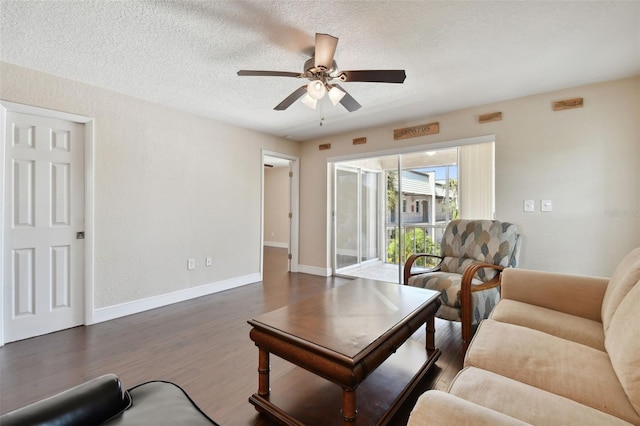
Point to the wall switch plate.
(545, 206)
(191, 264)
(529, 205)
(209, 261)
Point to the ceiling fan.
(321, 69)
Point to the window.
(404, 206)
(418, 206)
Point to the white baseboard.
(276, 244)
(137, 306)
(314, 270)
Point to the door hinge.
(290, 256)
(290, 174)
(290, 215)
(80, 235)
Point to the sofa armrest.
(90, 403)
(440, 408)
(572, 294)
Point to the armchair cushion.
(449, 284)
(488, 241)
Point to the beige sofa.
(556, 350)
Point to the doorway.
(43, 216)
(280, 211)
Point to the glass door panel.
(369, 216)
(429, 199)
(361, 196)
(346, 250)
(393, 207)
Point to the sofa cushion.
(623, 344)
(550, 363)
(437, 408)
(525, 402)
(625, 276)
(570, 327)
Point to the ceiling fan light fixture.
(336, 95)
(309, 101)
(316, 89)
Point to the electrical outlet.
(529, 205)
(191, 264)
(545, 206)
(209, 261)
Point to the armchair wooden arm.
(465, 293)
(410, 261)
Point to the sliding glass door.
(356, 216)
(388, 208)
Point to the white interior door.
(44, 225)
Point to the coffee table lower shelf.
(300, 397)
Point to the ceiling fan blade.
(374, 76)
(347, 100)
(325, 49)
(268, 73)
(286, 103)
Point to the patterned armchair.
(473, 253)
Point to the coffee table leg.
(349, 411)
(263, 372)
(431, 333)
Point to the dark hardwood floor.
(202, 344)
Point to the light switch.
(545, 206)
(529, 205)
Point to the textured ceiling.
(456, 54)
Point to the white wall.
(585, 160)
(276, 207)
(162, 192)
(168, 186)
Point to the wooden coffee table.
(345, 335)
